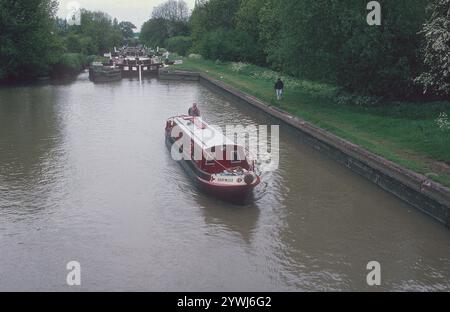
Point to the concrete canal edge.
(413, 188)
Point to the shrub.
(70, 63)
(179, 44)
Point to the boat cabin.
(211, 151)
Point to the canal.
(85, 176)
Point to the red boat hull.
(237, 194)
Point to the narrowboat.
(99, 72)
(216, 164)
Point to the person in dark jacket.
(279, 87)
(194, 111)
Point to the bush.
(70, 63)
(179, 44)
(436, 50)
(76, 43)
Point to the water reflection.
(30, 149)
(221, 216)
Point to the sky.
(135, 11)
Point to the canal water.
(85, 176)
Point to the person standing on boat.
(279, 87)
(194, 111)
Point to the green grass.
(404, 132)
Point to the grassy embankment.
(406, 133)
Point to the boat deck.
(203, 134)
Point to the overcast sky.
(135, 11)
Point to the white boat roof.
(203, 134)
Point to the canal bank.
(418, 190)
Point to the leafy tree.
(179, 44)
(76, 43)
(331, 41)
(34, 42)
(69, 63)
(177, 28)
(227, 45)
(228, 30)
(197, 22)
(99, 26)
(154, 32)
(127, 29)
(269, 31)
(436, 56)
(214, 14)
(247, 17)
(169, 19)
(248, 20)
(28, 43)
(96, 34)
(382, 60)
(210, 16)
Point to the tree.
(381, 60)
(219, 14)
(96, 34)
(172, 10)
(28, 43)
(330, 40)
(179, 44)
(210, 16)
(248, 21)
(168, 20)
(127, 29)
(436, 56)
(154, 32)
(34, 42)
(248, 18)
(227, 45)
(269, 30)
(99, 26)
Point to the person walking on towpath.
(279, 87)
(194, 111)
